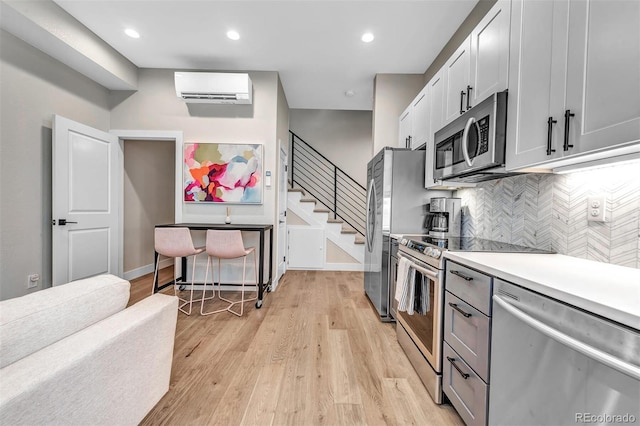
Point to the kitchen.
(517, 128)
(544, 210)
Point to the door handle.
(567, 116)
(461, 101)
(453, 362)
(457, 308)
(469, 89)
(461, 275)
(550, 123)
(62, 222)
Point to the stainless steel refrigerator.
(396, 204)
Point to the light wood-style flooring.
(315, 354)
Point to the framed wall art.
(222, 173)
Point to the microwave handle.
(465, 140)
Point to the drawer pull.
(461, 275)
(453, 362)
(454, 306)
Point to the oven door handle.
(564, 339)
(420, 269)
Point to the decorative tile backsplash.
(550, 211)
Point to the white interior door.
(86, 202)
(282, 214)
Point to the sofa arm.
(113, 372)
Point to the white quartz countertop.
(610, 291)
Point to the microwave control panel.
(483, 125)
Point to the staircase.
(322, 196)
(310, 213)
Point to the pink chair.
(227, 245)
(172, 243)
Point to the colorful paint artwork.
(223, 173)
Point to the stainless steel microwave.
(471, 148)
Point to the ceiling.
(315, 46)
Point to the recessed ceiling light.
(367, 37)
(349, 93)
(132, 33)
(233, 35)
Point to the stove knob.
(403, 241)
(435, 253)
(427, 251)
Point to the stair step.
(295, 190)
(359, 240)
(307, 200)
(332, 220)
(321, 210)
(348, 231)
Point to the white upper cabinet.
(420, 120)
(574, 90)
(480, 66)
(489, 59)
(456, 80)
(404, 126)
(603, 84)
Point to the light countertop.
(610, 291)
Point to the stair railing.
(323, 180)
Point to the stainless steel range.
(420, 333)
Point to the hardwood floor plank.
(315, 354)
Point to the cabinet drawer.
(466, 330)
(468, 395)
(469, 285)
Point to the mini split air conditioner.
(214, 88)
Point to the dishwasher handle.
(586, 350)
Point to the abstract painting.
(223, 173)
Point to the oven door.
(426, 329)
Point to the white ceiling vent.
(214, 88)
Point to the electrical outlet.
(596, 208)
(32, 280)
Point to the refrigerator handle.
(371, 194)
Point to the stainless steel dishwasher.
(554, 364)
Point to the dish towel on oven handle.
(405, 286)
(421, 299)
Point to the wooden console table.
(262, 284)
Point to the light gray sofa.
(73, 355)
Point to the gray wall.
(344, 137)
(391, 95)
(149, 168)
(33, 87)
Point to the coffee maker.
(444, 218)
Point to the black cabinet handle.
(453, 362)
(469, 89)
(464, 314)
(461, 101)
(406, 142)
(409, 146)
(567, 116)
(461, 275)
(550, 123)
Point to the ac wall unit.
(214, 87)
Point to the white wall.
(344, 137)
(34, 87)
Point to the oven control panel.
(421, 247)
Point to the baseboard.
(147, 269)
(333, 267)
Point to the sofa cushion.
(32, 322)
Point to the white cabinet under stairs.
(306, 220)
